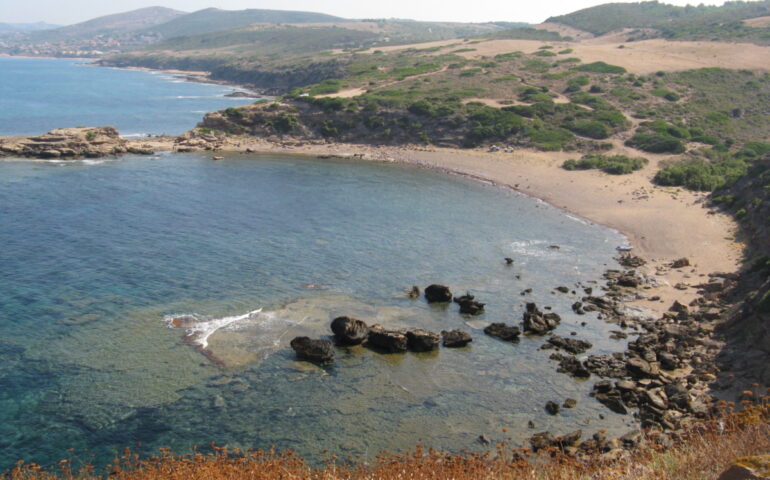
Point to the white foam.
(198, 332)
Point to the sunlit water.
(97, 257)
(39, 94)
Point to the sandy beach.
(661, 223)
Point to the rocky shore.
(72, 143)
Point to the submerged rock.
(572, 345)
(349, 331)
(318, 351)
(456, 338)
(438, 294)
(503, 331)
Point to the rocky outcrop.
(456, 338)
(537, 322)
(422, 341)
(71, 143)
(349, 331)
(313, 350)
(468, 305)
(389, 341)
(438, 294)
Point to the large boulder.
(391, 341)
(422, 341)
(349, 331)
(456, 338)
(502, 331)
(748, 468)
(468, 305)
(314, 350)
(438, 294)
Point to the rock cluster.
(537, 322)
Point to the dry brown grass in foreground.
(698, 455)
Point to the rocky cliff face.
(70, 143)
(747, 329)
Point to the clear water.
(96, 257)
(38, 95)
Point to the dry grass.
(699, 454)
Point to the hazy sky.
(64, 12)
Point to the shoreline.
(663, 224)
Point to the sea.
(148, 302)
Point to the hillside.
(687, 23)
(111, 25)
(214, 20)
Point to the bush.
(589, 128)
(550, 139)
(701, 174)
(575, 84)
(286, 122)
(489, 123)
(656, 143)
(326, 87)
(667, 94)
(601, 67)
(612, 164)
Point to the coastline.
(662, 224)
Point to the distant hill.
(25, 27)
(214, 20)
(112, 25)
(723, 23)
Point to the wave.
(199, 330)
(536, 248)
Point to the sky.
(65, 12)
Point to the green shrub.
(601, 67)
(233, 112)
(656, 143)
(702, 174)
(565, 51)
(667, 94)
(286, 122)
(487, 123)
(326, 87)
(549, 139)
(544, 53)
(589, 128)
(576, 83)
(612, 164)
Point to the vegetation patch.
(601, 67)
(612, 164)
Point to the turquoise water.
(38, 95)
(97, 257)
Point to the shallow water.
(40, 94)
(97, 258)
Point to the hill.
(213, 20)
(111, 25)
(690, 23)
